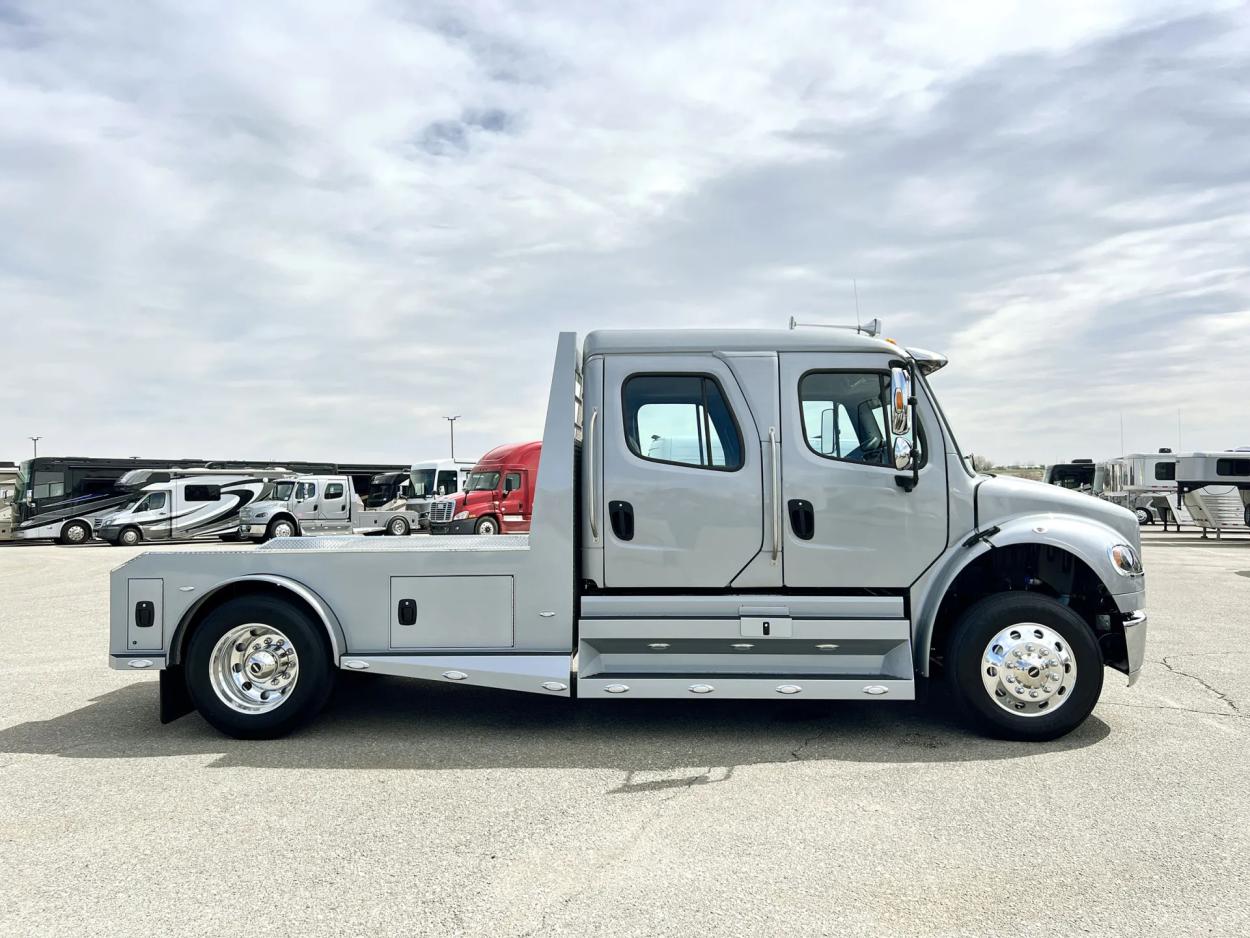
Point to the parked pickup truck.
(317, 505)
(810, 532)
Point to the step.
(747, 687)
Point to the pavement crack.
(1206, 713)
(797, 754)
(1167, 663)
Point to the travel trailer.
(1145, 484)
(766, 564)
(497, 498)
(1215, 487)
(185, 505)
(321, 504)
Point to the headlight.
(460, 516)
(260, 514)
(1125, 560)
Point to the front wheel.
(487, 526)
(1024, 666)
(398, 527)
(257, 668)
(130, 537)
(281, 527)
(76, 532)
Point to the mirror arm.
(915, 459)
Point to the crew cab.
(497, 498)
(772, 515)
(317, 504)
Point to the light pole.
(451, 425)
(35, 441)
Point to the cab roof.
(645, 341)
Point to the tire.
(486, 525)
(300, 666)
(1034, 697)
(130, 537)
(1144, 516)
(76, 532)
(398, 527)
(281, 527)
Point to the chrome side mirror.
(902, 454)
(900, 408)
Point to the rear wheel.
(257, 668)
(129, 537)
(280, 527)
(1144, 516)
(487, 526)
(398, 527)
(1024, 666)
(76, 532)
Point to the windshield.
(422, 482)
(277, 491)
(482, 482)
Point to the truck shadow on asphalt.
(378, 722)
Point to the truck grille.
(440, 512)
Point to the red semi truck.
(498, 497)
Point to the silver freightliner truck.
(318, 504)
(779, 515)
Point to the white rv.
(433, 479)
(192, 504)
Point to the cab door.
(153, 516)
(514, 508)
(334, 512)
(852, 519)
(305, 506)
(683, 473)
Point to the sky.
(310, 230)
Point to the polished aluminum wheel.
(284, 529)
(1028, 669)
(77, 533)
(253, 668)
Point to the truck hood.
(1003, 497)
(258, 509)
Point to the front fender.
(1086, 539)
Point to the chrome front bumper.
(252, 530)
(1135, 643)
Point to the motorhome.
(60, 498)
(433, 479)
(320, 504)
(1215, 487)
(182, 505)
(8, 486)
(768, 565)
(497, 498)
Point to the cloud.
(310, 230)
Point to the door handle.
(621, 514)
(802, 518)
(407, 612)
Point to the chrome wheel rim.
(397, 526)
(488, 527)
(1143, 516)
(283, 529)
(75, 534)
(253, 668)
(1028, 669)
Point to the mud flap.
(175, 701)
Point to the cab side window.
(681, 419)
(845, 416)
(511, 482)
(334, 490)
(154, 501)
(305, 491)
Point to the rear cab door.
(334, 511)
(684, 463)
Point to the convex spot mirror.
(902, 454)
